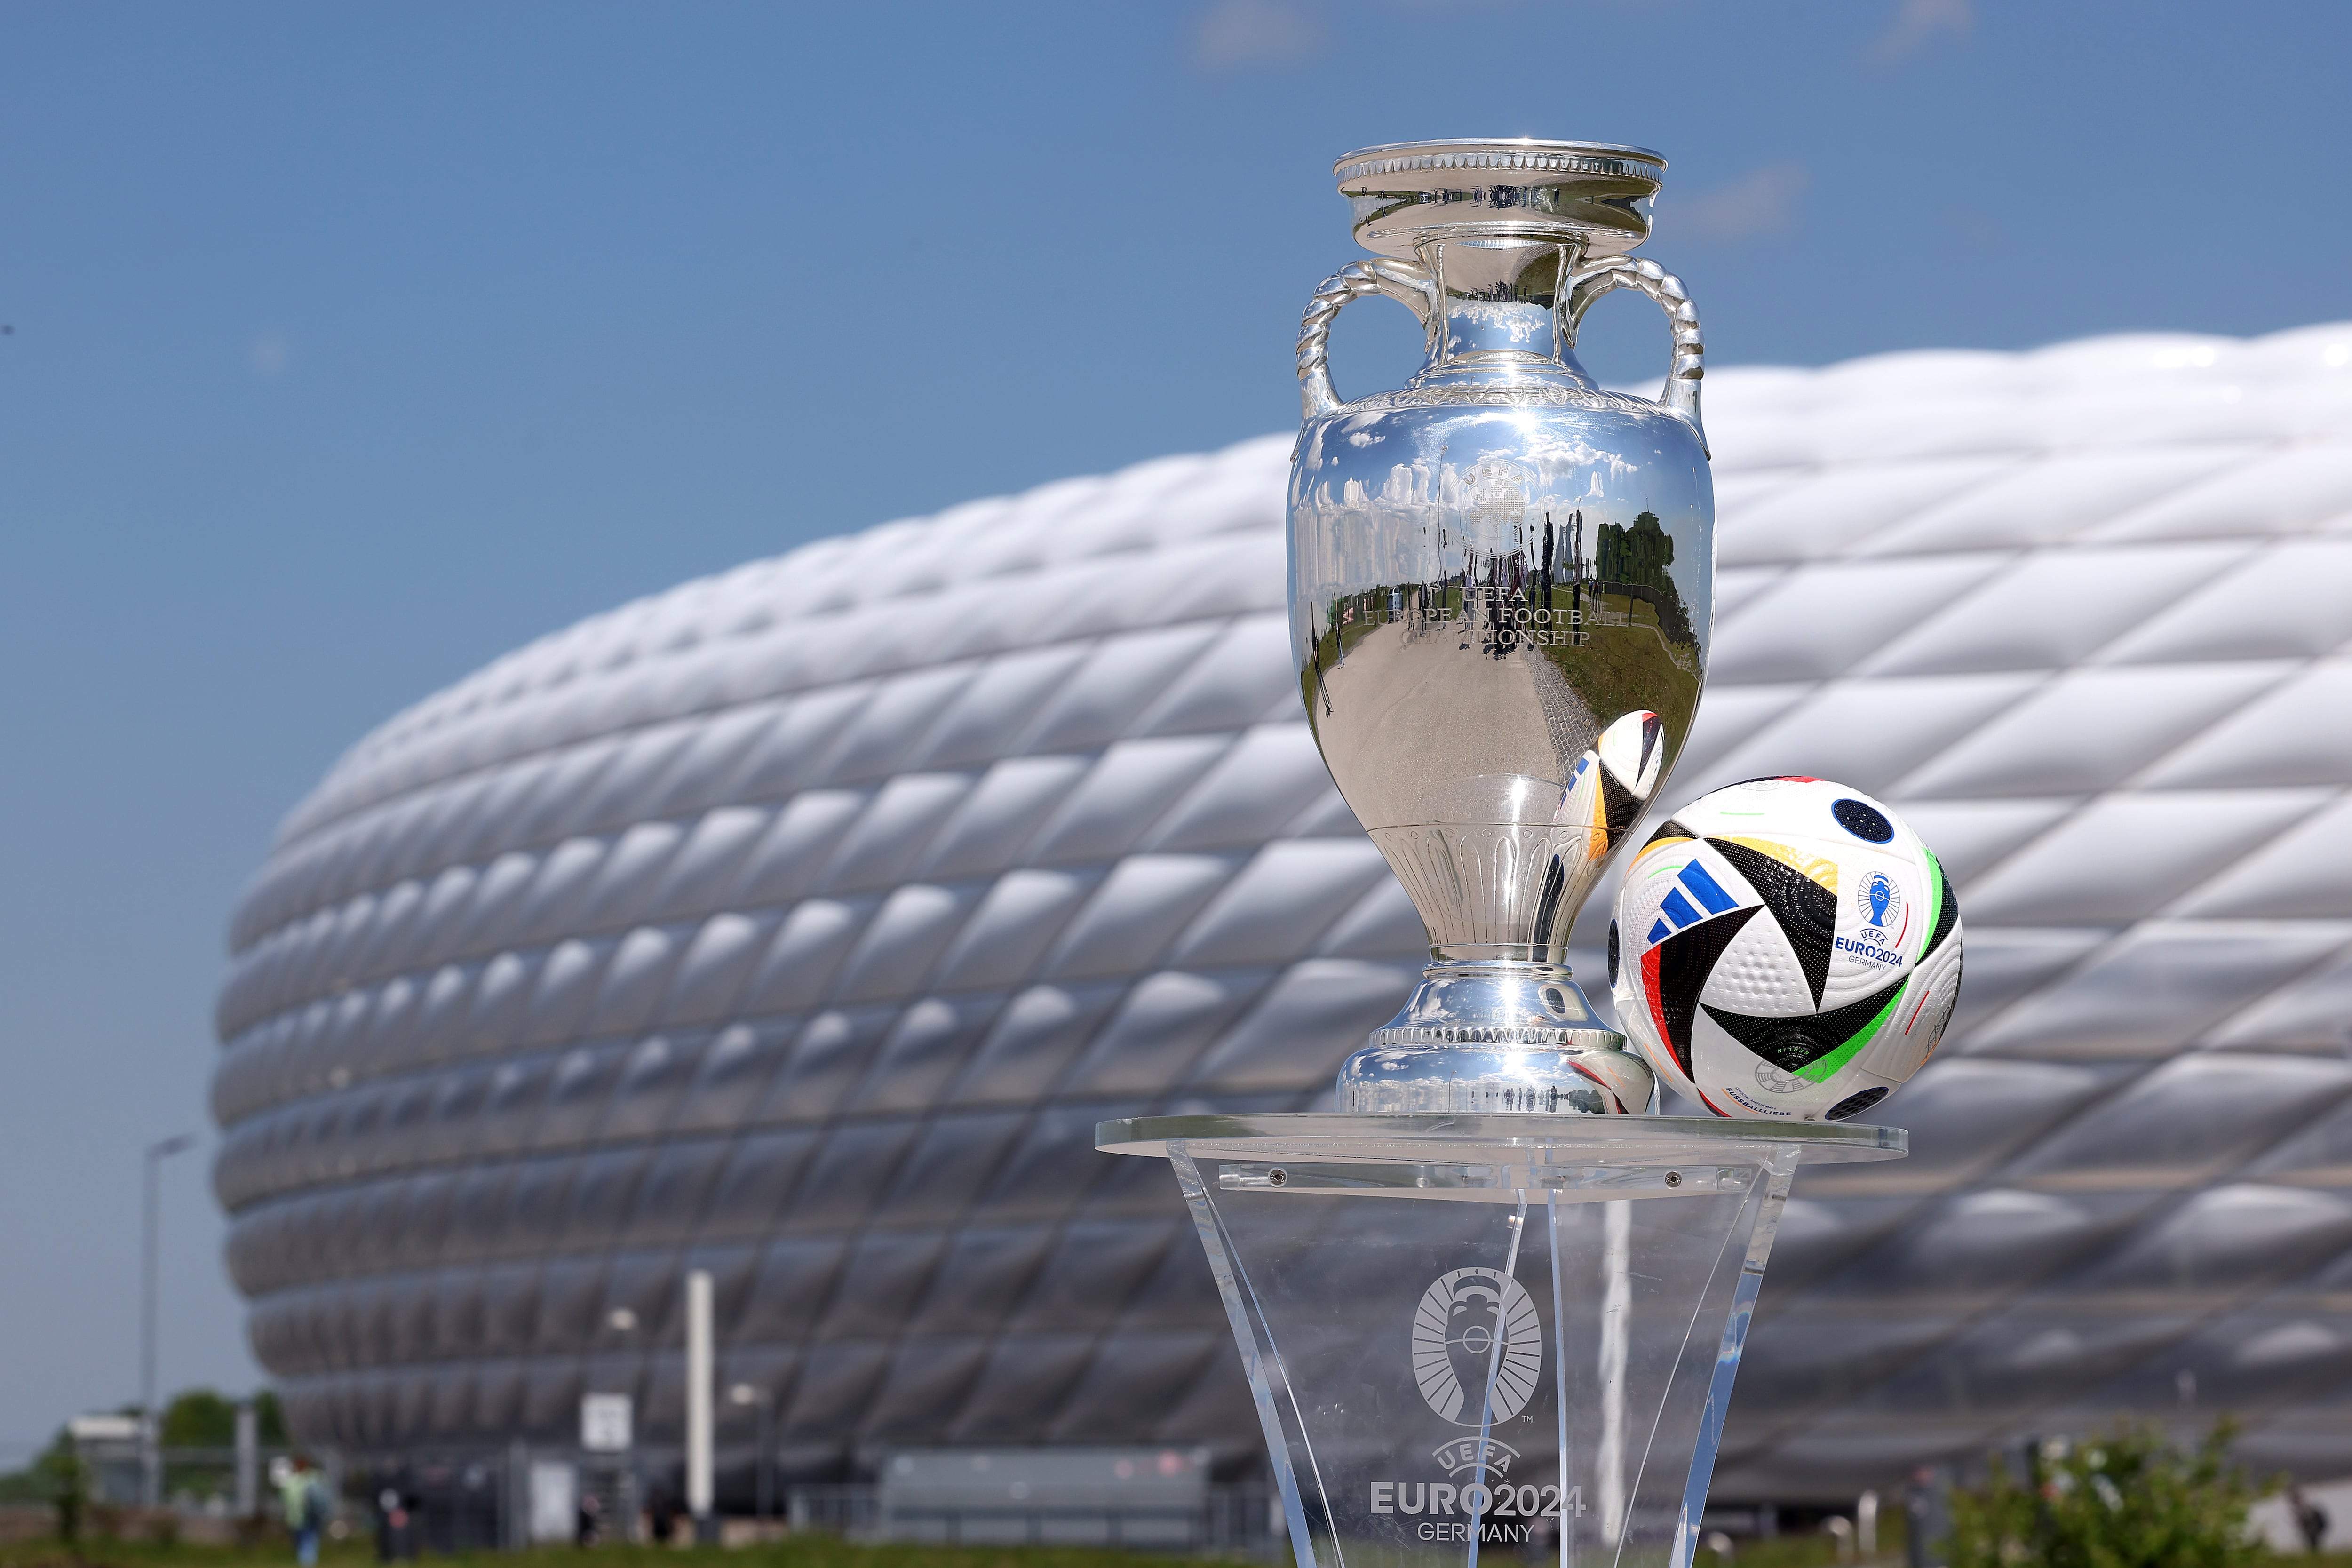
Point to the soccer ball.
(1785, 947)
(1611, 783)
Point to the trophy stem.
(1482, 1034)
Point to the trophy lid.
(1410, 192)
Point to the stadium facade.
(800, 922)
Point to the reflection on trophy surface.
(1501, 580)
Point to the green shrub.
(64, 1483)
(2125, 1498)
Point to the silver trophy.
(1501, 579)
(1470, 1322)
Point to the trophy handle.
(1690, 355)
(1400, 281)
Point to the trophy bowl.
(1501, 578)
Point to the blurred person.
(2310, 1519)
(591, 1511)
(1927, 1518)
(412, 1529)
(395, 1518)
(303, 1497)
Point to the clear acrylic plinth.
(1506, 1335)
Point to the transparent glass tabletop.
(1537, 1368)
(1494, 1158)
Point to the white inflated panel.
(800, 922)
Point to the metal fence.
(189, 1479)
(1230, 1520)
(474, 1500)
(481, 1500)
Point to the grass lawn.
(1793, 1551)
(813, 1550)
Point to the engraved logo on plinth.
(1454, 1330)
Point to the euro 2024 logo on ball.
(1884, 916)
(1455, 1329)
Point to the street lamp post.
(151, 1458)
(623, 1322)
(764, 1481)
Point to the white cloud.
(1763, 203)
(1231, 34)
(1915, 23)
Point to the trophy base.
(1517, 1333)
(1490, 1034)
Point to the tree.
(2125, 1498)
(57, 1477)
(1638, 554)
(198, 1418)
(201, 1418)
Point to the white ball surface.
(1785, 947)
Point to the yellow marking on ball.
(1823, 872)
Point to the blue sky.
(349, 346)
